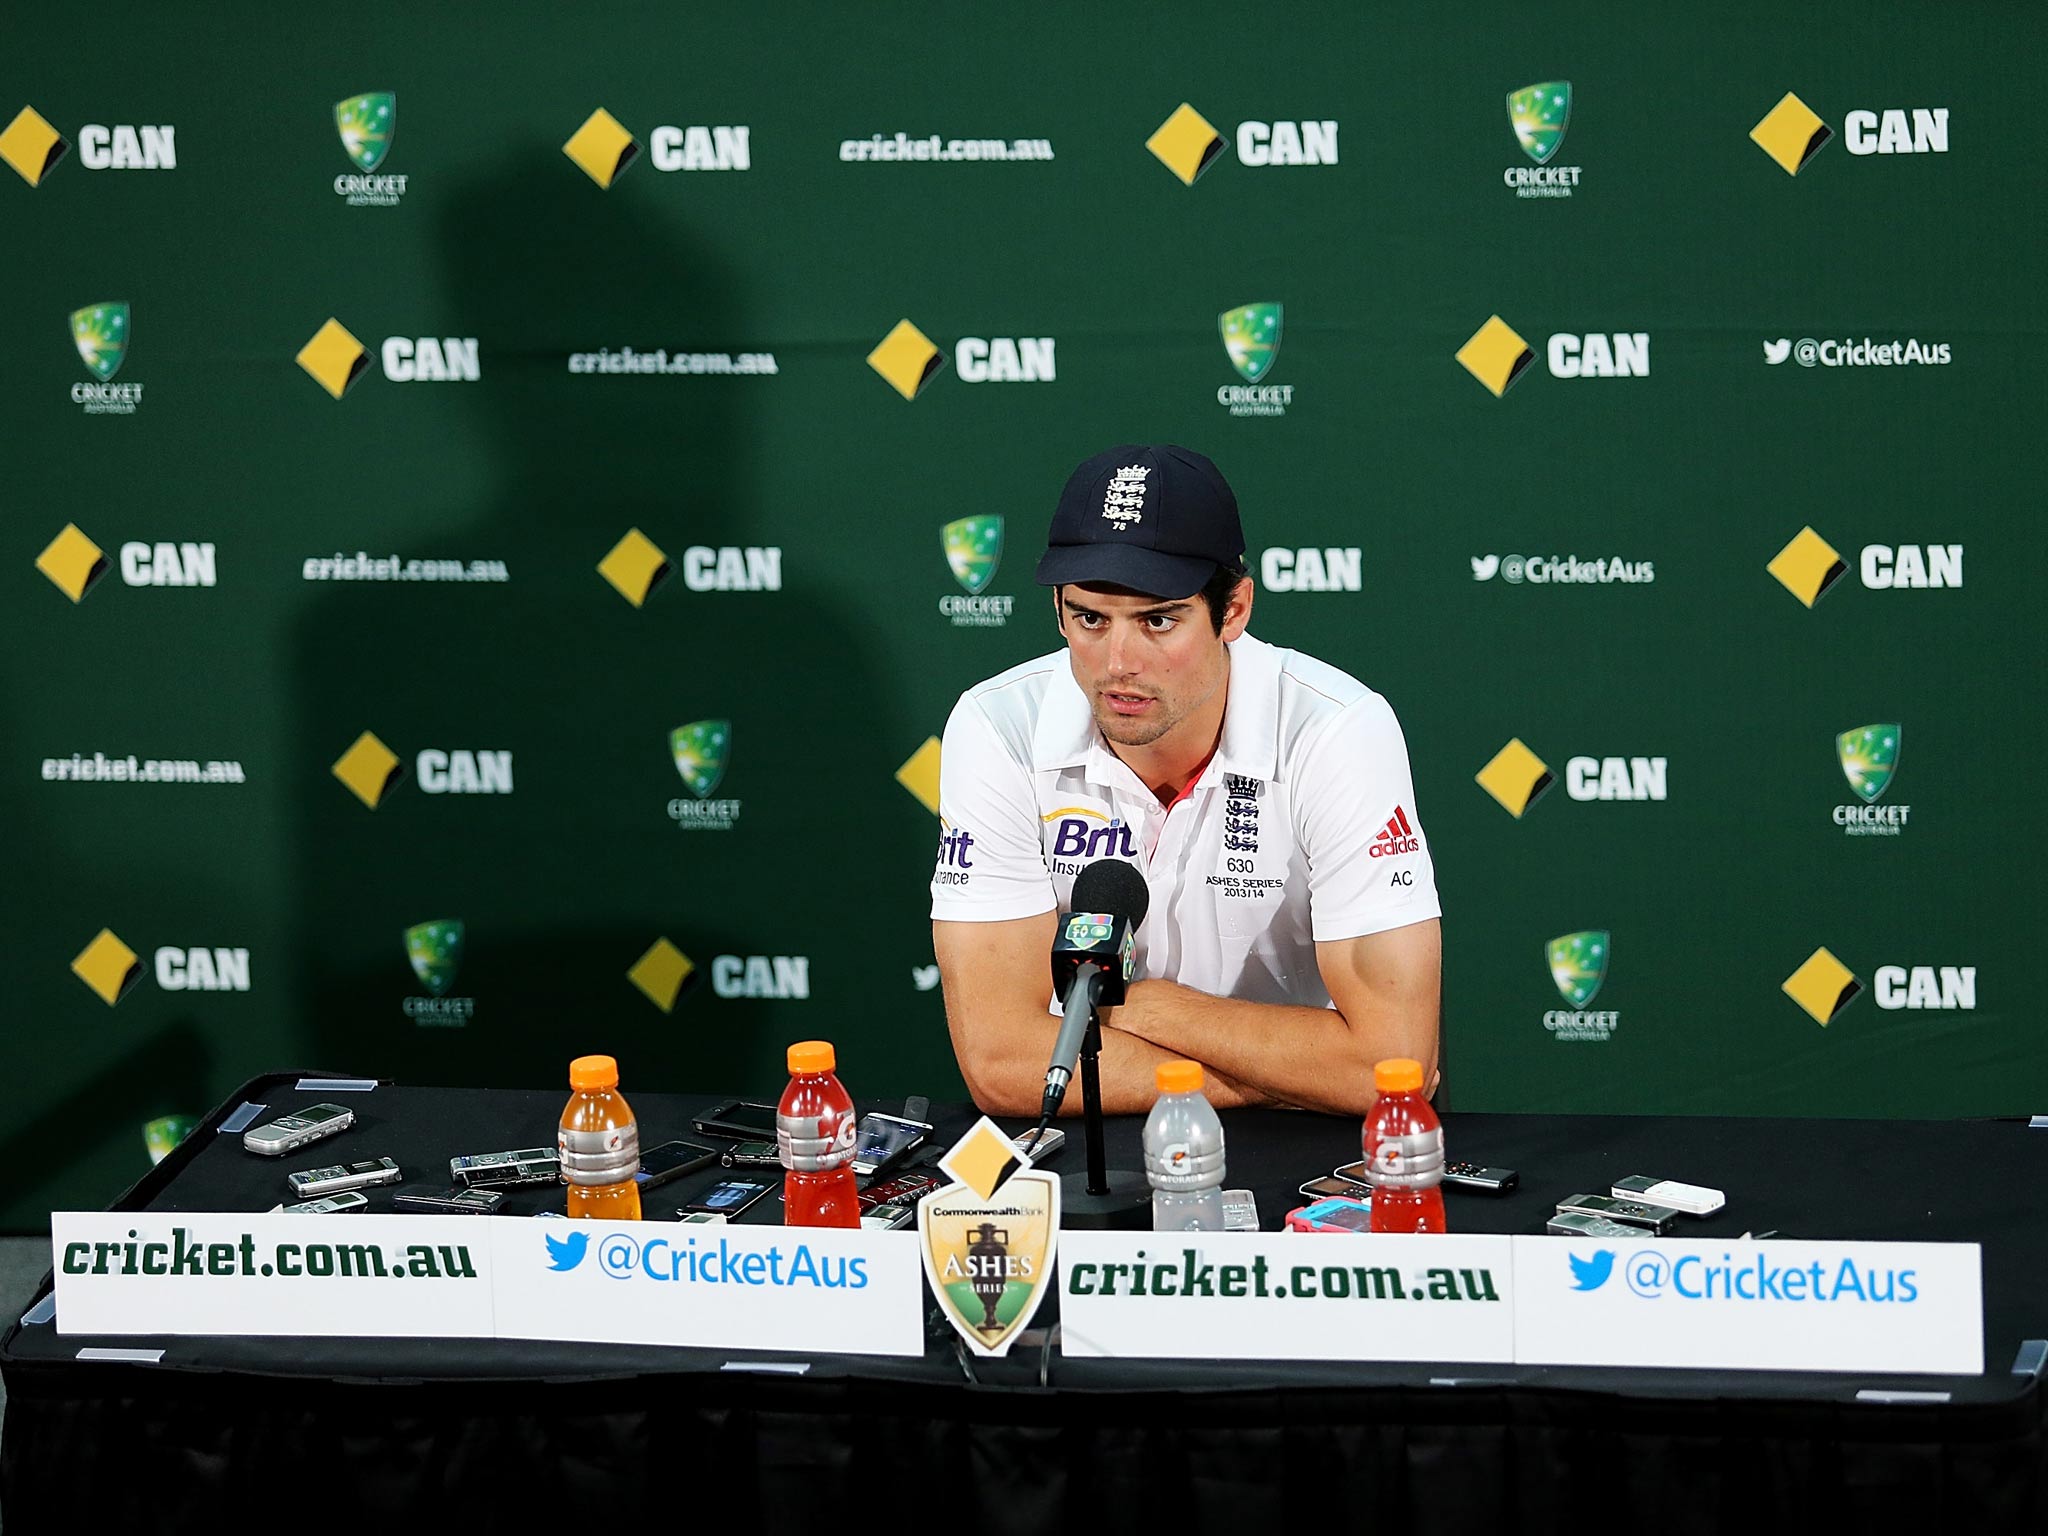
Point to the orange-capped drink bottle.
(814, 1132)
(599, 1143)
(1404, 1152)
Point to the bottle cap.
(1178, 1076)
(588, 1073)
(1398, 1075)
(812, 1056)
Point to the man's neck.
(1166, 765)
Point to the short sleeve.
(1369, 867)
(991, 862)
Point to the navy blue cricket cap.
(1157, 519)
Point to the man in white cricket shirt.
(1293, 936)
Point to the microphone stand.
(1100, 1200)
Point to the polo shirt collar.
(1066, 737)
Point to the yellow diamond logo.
(660, 973)
(907, 359)
(72, 562)
(31, 146)
(334, 358)
(635, 567)
(1496, 355)
(369, 769)
(108, 966)
(1186, 144)
(601, 148)
(981, 1159)
(1807, 567)
(1515, 777)
(1823, 986)
(920, 774)
(1791, 133)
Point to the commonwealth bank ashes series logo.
(974, 551)
(701, 751)
(1539, 115)
(101, 333)
(368, 124)
(1251, 340)
(1869, 756)
(1578, 967)
(434, 951)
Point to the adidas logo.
(1396, 837)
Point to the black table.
(221, 1428)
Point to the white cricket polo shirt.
(1301, 829)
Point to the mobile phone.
(1334, 1186)
(751, 1154)
(882, 1141)
(1693, 1199)
(1488, 1181)
(673, 1159)
(1331, 1216)
(288, 1133)
(730, 1196)
(904, 1189)
(1571, 1224)
(1049, 1141)
(1240, 1211)
(309, 1183)
(887, 1218)
(690, 1218)
(453, 1202)
(1655, 1218)
(506, 1170)
(739, 1120)
(327, 1207)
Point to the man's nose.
(1122, 658)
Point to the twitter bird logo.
(1775, 352)
(567, 1252)
(1483, 567)
(926, 976)
(1591, 1274)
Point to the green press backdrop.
(442, 450)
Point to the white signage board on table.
(813, 1290)
(161, 1272)
(1908, 1308)
(1286, 1296)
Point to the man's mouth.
(1128, 703)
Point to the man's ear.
(1237, 613)
(1059, 613)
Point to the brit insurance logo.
(74, 563)
(1187, 143)
(334, 359)
(1792, 133)
(907, 360)
(1848, 352)
(434, 951)
(368, 126)
(974, 552)
(1251, 340)
(1578, 969)
(1539, 115)
(371, 771)
(111, 970)
(602, 148)
(701, 751)
(1497, 355)
(1869, 755)
(33, 148)
(1809, 566)
(1517, 778)
(1823, 986)
(102, 333)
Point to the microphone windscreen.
(1113, 886)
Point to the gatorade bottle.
(814, 1132)
(1404, 1152)
(599, 1144)
(1184, 1152)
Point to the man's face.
(1146, 663)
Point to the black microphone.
(1092, 959)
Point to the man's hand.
(1387, 988)
(998, 981)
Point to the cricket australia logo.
(1124, 503)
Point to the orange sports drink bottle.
(814, 1132)
(599, 1144)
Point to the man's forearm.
(1011, 1082)
(1311, 1057)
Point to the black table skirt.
(510, 1431)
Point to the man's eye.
(1160, 622)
